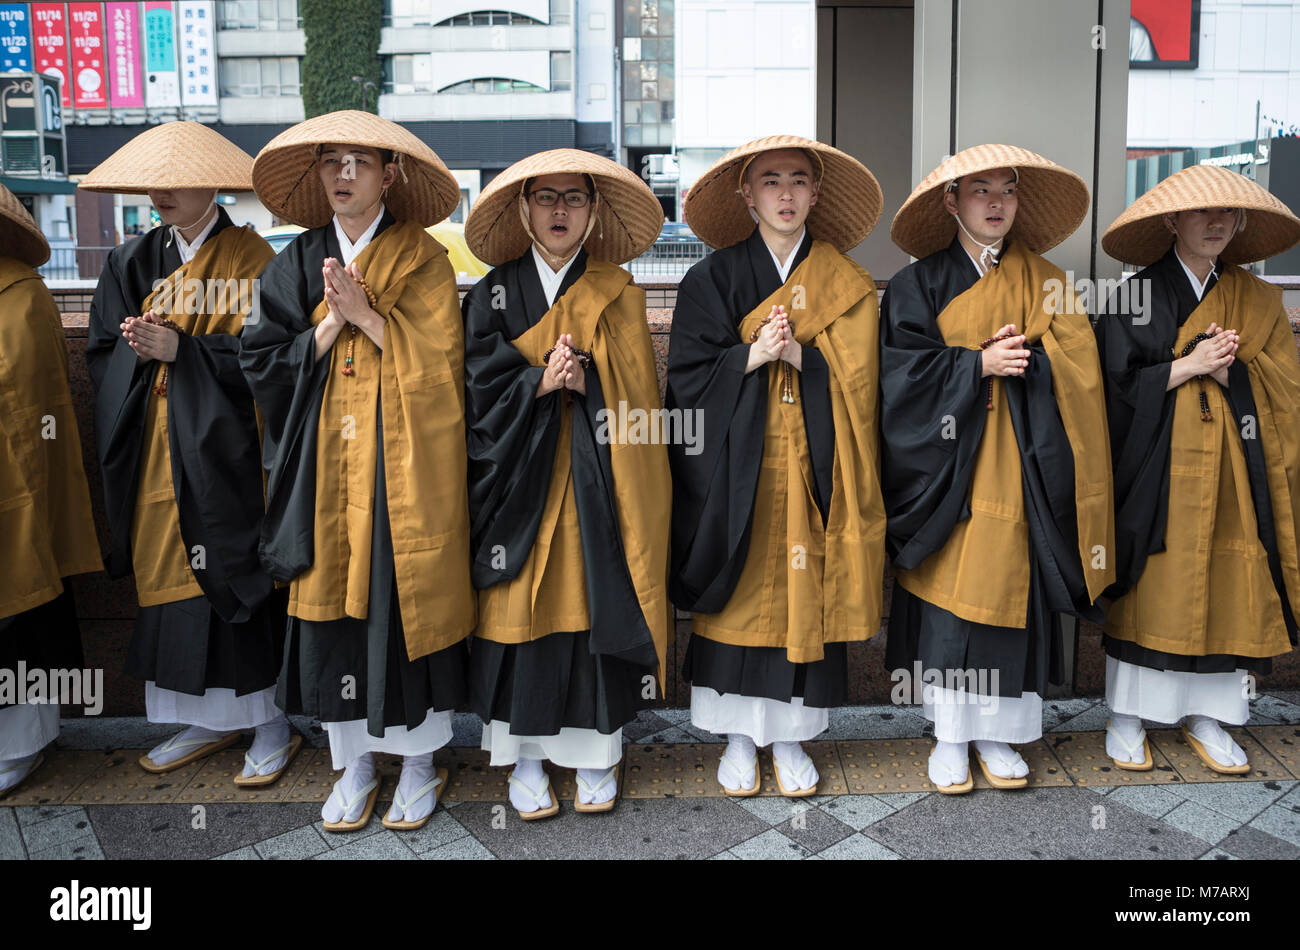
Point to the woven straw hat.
(1051, 201)
(1139, 236)
(173, 155)
(628, 218)
(848, 204)
(20, 238)
(287, 182)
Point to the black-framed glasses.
(573, 198)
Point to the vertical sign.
(50, 38)
(162, 81)
(198, 54)
(15, 38)
(124, 54)
(89, 73)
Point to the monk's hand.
(344, 295)
(1212, 357)
(553, 376)
(791, 349)
(150, 339)
(767, 348)
(575, 377)
(1006, 357)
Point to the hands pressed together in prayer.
(1005, 357)
(348, 305)
(149, 338)
(1211, 358)
(563, 369)
(775, 342)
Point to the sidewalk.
(91, 801)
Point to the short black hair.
(591, 183)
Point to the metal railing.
(74, 263)
(668, 258)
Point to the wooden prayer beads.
(352, 330)
(161, 388)
(1200, 380)
(787, 379)
(984, 346)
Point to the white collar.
(551, 279)
(783, 270)
(1198, 285)
(347, 249)
(188, 251)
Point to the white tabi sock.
(1124, 735)
(268, 739)
(1002, 760)
(949, 763)
(356, 776)
(417, 771)
(797, 769)
(13, 771)
(531, 774)
(736, 769)
(1218, 744)
(173, 749)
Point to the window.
(246, 77)
(488, 18)
(408, 73)
(257, 15)
(561, 11)
(561, 72)
(490, 86)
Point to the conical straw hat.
(20, 238)
(1139, 236)
(848, 204)
(287, 180)
(628, 219)
(1051, 201)
(173, 155)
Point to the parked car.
(676, 240)
(449, 234)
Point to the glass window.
(649, 90)
(649, 26)
(649, 49)
(649, 72)
(561, 71)
(631, 17)
(560, 11)
(649, 8)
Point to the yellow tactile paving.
(215, 780)
(119, 780)
(1282, 742)
(313, 779)
(470, 777)
(1083, 755)
(824, 755)
(672, 771)
(60, 775)
(1263, 766)
(885, 765)
(1045, 771)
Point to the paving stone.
(296, 845)
(646, 723)
(724, 856)
(1201, 821)
(439, 830)
(1239, 800)
(1032, 823)
(386, 846)
(1252, 843)
(771, 845)
(814, 830)
(31, 814)
(1092, 719)
(466, 848)
(11, 839)
(1279, 822)
(858, 847)
(774, 810)
(1215, 854)
(858, 811)
(1153, 800)
(874, 722)
(76, 849)
(900, 800)
(642, 828)
(240, 854)
(69, 826)
(154, 832)
(1057, 711)
(113, 732)
(1278, 710)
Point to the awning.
(37, 186)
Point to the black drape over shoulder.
(212, 429)
(714, 491)
(278, 358)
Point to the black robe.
(926, 483)
(228, 637)
(588, 679)
(278, 357)
(1136, 359)
(714, 492)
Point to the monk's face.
(986, 204)
(1202, 233)
(780, 187)
(559, 207)
(354, 178)
(183, 207)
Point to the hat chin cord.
(178, 228)
(986, 250)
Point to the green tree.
(342, 42)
